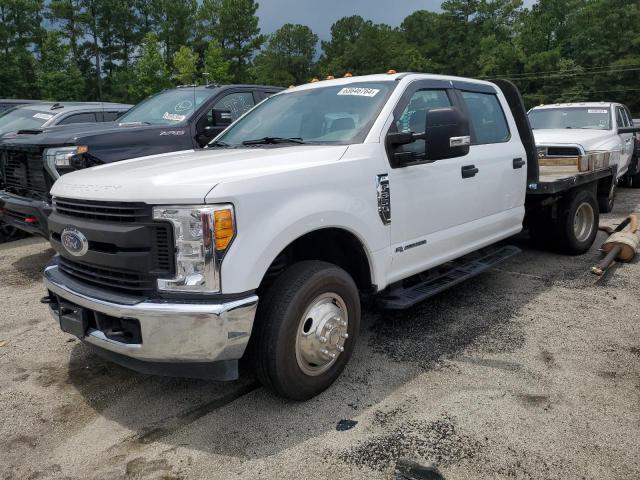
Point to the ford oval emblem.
(74, 241)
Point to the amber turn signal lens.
(224, 228)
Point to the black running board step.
(398, 297)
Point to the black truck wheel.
(306, 329)
(577, 223)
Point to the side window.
(78, 118)
(110, 116)
(236, 103)
(413, 117)
(628, 115)
(489, 125)
(620, 118)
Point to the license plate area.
(74, 319)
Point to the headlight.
(202, 236)
(59, 158)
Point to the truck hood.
(187, 177)
(588, 139)
(75, 134)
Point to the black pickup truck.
(184, 118)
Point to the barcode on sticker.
(359, 91)
(595, 110)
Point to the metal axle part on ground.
(621, 244)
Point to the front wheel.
(306, 329)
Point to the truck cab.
(181, 119)
(261, 247)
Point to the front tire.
(306, 328)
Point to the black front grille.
(127, 282)
(128, 250)
(118, 212)
(23, 172)
(562, 152)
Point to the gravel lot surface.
(528, 371)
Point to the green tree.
(185, 64)
(361, 47)
(216, 67)
(20, 34)
(150, 72)
(238, 34)
(174, 22)
(288, 56)
(58, 76)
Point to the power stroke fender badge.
(74, 241)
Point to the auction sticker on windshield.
(359, 91)
(43, 116)
(174, 117)
(593, 110)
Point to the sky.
(319, 15)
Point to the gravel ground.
(528, 371)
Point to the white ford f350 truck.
(386, 187)
(579, 134)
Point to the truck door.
(427, 199)
(498, 154)
(444, 209)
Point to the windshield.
(340, 114)
(167, 108)
(592, 118)
(22, 119)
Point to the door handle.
(518, 163)
(469, 171)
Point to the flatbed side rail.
(542, 187)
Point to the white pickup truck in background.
(385, 187)
(584, 134)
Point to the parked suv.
(179, 119)
(34, 117)
(261, 246)
(8, 103)
(583, 133)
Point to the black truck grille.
(23, 172)
(129, 261)
(126, 282)
(119, 212)
(562, 152)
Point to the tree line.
(118, 50)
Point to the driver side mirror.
(222, 118)
(447, 135)
(628, 130)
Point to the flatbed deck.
(556, 179)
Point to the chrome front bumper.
(170, 332)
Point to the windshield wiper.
(218, 143)
(273, 140)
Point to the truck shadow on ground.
(480, 317)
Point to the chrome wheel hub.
(583, 222)
(322, 333)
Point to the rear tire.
(313, 307)
(577, 225)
